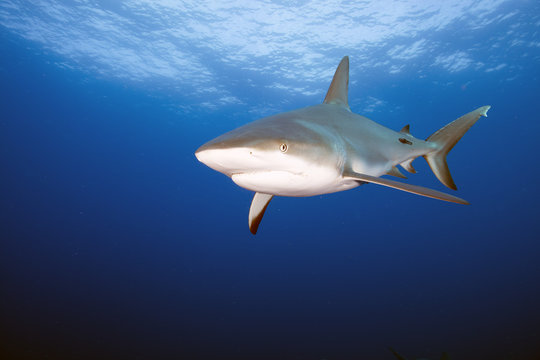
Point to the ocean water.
(116, 243)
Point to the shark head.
(278, 155)
(287, 154)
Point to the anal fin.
(256, 211)
(407, 165)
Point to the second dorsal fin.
(339, 88)
(406, 129)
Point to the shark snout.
(209, 154)
(202, 153)
(230, 153)
(227, 160)
(212, 158)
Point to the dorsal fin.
(406, 130)
(339, 88)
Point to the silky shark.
(326, 148)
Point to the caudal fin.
(445, 139)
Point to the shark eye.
(283, 147)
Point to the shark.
(327, 148)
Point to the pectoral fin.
(256, 211)
(419, 190)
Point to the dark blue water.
(117, 243)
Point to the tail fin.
(445, 139)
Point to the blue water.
(117, 243)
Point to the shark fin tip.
(484, 110)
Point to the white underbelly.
(285, 183)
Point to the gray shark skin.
(326, 148)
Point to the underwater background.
(117, 243)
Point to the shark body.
(326, 148)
